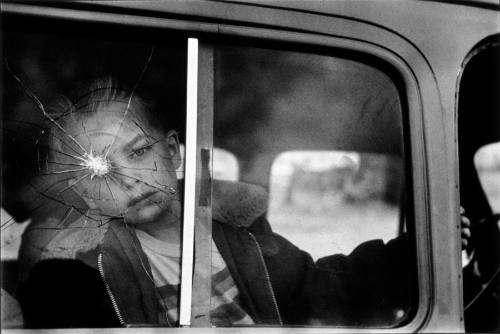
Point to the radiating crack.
(73, 165)
(130, 99)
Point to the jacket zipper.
(108, 289)
(268, 278)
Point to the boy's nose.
(133, 181)
(128, 178)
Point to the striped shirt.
(164, 259)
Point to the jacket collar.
(234, 203)
(237, 203)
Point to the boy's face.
(130, 167)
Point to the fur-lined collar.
(238, 203)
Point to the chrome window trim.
(187, 254)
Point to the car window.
(320, 143)
(479, 153)
(308, 145)
(93, 142)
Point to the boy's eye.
(139, 152)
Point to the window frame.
(486, 43)
(423, 122)
(412, 141)
(491, 41)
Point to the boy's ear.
(172, 142)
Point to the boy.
(119, 263)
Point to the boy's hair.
(94, 99)
(98, 95)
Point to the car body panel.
(425, 41)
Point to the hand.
(465, 228)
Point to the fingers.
(464, 222)
(465, 237)
(466, 233)
(465, 228)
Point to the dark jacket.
(106, 283)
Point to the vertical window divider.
(202, 275)
(187, 257)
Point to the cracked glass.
(92, 136)
(93, 164)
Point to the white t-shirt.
(164, 259)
